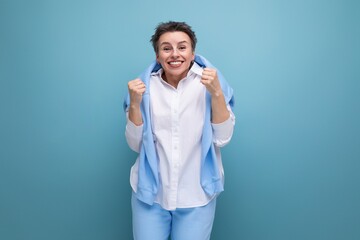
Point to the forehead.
(174, 37)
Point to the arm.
(133, 131)
(222, 132)
(133, 134)
(219, 111)
(222, 118)
(136, 89)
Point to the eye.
(182, 47)
(167, 49)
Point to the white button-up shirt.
(177, 117)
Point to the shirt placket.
(175, 144)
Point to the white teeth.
(174, 63)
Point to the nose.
(175, 53)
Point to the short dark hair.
(172, 26)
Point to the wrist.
(217, 94)
(134, 106)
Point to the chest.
(183, 105)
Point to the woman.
(179, 115)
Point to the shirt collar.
(195, 68)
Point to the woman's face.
(175, 54)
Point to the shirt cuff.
(223, 131)
(134, 130)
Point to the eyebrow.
(170, 43)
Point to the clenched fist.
(210, 79)
(219, 111)
(136, 89)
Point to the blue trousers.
(155, 223)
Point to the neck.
(174, 80)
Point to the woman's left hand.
(211, 81)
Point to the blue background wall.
(292, 169)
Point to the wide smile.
(175, 64)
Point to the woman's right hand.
(136, 89)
